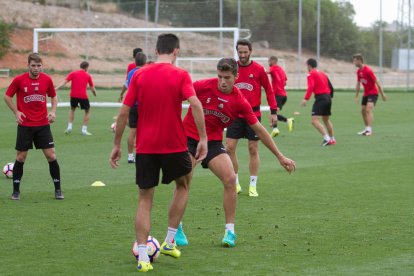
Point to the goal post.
(37, 31)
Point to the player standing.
(279, 79)
(160, 89)
(319, 84)
(252, 77)
(140, 60)
(79, 96)
(130, 67)
(33, 120)
(223, 103)
(366, 76)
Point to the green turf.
(347, 210)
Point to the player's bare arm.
(198, 114)
(61, 85)
(93, 90)
(383, 96)
(288, 164)
(19, 115)
(121, 121)
(357, 88)
(52, 113)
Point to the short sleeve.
(51, 92)
(13, 87)
(187, 88)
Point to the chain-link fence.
(293, 30)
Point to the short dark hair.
(167, 43)
(243, 42)
(84, 65)
(140, 59)
(358, 57)
(35, 57)
(273, 58)
(312, 62)
(136, 51)
(228, 64)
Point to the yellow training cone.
(98, 184)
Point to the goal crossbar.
(36, 32)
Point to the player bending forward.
(222, 104)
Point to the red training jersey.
(80, 80)
(278, 80)
(160, 89)
(131, 66)
(317, 83)
(367, 77)
(31, 97)
(220, 109)
(250, 81)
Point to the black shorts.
(322, 105)
(240, 129)
(369, 99)
(83, 103)
(281, 100)
(40, 136)
(133, 117)
(214, 148)
(173, 166)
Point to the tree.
(5, 30)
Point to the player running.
(319, 84)
(223, 103)
(279, 79)
(252, 77)
(79, 96)
(33, 120)
(366, 76)
(160, 89)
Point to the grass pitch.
(347, 210)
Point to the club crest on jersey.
(36, 88)
(25, 89)
(244, 85)
(251, 76)
(220, 106)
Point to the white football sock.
(170, 236)
(326, 137)
(237, 178)
(143, 253)
(230, 227)
(368, 128)
(130, 156)
(253, 180)
(70, 125)
(84, 128)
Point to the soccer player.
(223, 103)
(366, 76)
(140, 60)
(78, 95)
(279, 79)
(33, 120)
(319, 84)
(130, 67)
(252, 77)
(160, 89)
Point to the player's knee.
(253, 150)
(21, 156)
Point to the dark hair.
(35, 57)
(84, 65)
(228, 64)
(273, 58)
(358, 57)
(140, 59)
(136, 51)
(312, 62)
(243, 42)
(167, 43)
